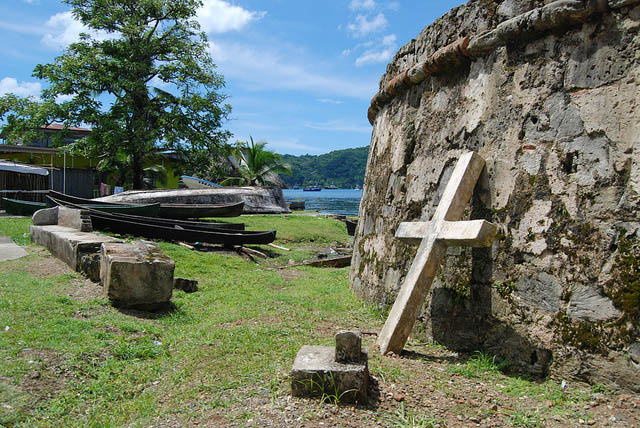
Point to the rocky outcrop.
(548, 94)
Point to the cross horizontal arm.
(473, 233)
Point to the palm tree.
(255, 165)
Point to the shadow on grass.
(452, 359)
(170, 309)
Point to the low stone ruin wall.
(548, 93)
(136, 275)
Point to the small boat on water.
(18, 207)
(165, 210)
(312, 189)
(197, 183)
(331, 187)
(143, 227)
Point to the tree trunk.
(138, 171)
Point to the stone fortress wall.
(548, 94)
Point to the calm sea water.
(327, 201)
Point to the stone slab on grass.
(9, 250)
(136, 275)
(316, 373)
(79, 250)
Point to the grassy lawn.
(222, 357)
(97, 366)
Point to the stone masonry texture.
(549, 97)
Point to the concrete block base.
(79, 250)
(316, 373)
(136, 275)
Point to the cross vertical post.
(436, 235)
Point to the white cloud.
(389, 40)
(383, 54)
(215, 16)
(218, 16)
(157, 82)
(339, 126)
(362, 4)
(62, 29)
(64, 98)
(330, 101)
(394, 5)
(364, 26)
(9, 85)
(282, 145)
(262, 68)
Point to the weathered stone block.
(186, 285)
(316, 373)
(45, 217)
(136, 275)
(348, 346)
(77, 249)
(588, 304)
(74, 219)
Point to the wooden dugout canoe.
(18, 207)
(167, 210)
(172, 223)
(147, 210)
(104, 221)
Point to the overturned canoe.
(180, 211)
(257, 200)
(18, 207)
(166, 210)
(197, 183)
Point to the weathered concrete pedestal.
(339, 373)
(66, 233)
(136, 275)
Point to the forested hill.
(342, 168)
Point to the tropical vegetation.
(256, 166)
(342, 168)
(147, 83)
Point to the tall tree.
(108, 83)
(256, 166)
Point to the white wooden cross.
(442, 231)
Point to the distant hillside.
(342, 168)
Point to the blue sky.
(299, 73)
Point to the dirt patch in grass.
(83, 290)
(43, 265)
(46, 377)
(291, 274)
